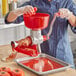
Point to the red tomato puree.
(41, 64)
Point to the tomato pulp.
(41, 64)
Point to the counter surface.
(4, 51)
(4, 26)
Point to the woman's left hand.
(64, 13)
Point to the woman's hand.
(25, 10)
(29, 10)
(64, 13)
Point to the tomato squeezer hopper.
(36, 23)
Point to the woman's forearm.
(14, 14)
(11, 17)
(72, 20)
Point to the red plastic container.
(37, 21)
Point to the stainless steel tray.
(66, 65)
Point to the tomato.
(6, 69)
(18, 72)
(3, 73)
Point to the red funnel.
(37, 21)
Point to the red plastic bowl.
(37, 21)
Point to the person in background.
(58, 45)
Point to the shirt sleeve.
(20, 18)
(72, 7)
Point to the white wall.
(22, 1)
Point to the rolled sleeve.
(73, 29)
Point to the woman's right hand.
(29, 10)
